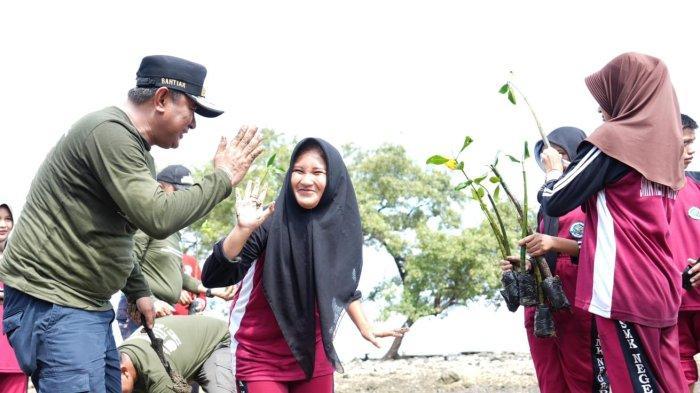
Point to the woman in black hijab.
(298, 263)
(566, 362)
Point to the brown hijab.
(644, 130)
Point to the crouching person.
(195, 348)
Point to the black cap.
(178, 74)
(177, 175)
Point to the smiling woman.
(309, 176)
(299, 264)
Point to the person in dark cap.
(72, 247)
(161, 261)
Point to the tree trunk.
(393, 352)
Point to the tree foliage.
(396, 197)
(449, 269)
(414, 213)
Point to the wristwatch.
(208, 293)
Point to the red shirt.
(685, 236)
(191, 267)
(260, 351)
(626, 267)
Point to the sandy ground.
(473, 372)
(466, 373)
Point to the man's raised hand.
(236, 157)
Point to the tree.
(447, 269)
(409, 210)
(395, 195)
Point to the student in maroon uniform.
(685, 232)
(626, 176)
(12, 379)
(298, 271)
(567, 362)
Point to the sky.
(423, 74)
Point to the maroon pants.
(321, 384)
(13, 383)
(571, 362)
(689, 343)
(640, 358)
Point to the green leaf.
(497, 193)
(495, 179)
(513, 158)
(479, 179)
(460, 166)
(477, 194)
(437, 160)
(504, 89)
(463, 185)
(526, 152)
(271, 160)
(511, 97)
(467, 141)
(495, 162)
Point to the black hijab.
(313, 257)
(568, 138)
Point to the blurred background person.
(12, 379)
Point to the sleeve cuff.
(219, 253)
(554, 174)
(225, 176)
(355, 296)
(133, 296)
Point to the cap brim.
(205, 108)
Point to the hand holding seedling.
(510, 261)
(537, 244)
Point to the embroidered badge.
(576, 229)
(694, 213)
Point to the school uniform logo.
(576, 230)
(601, 384)
(642, 378)
(694, 213)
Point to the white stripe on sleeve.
(570, 176)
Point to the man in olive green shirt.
(161, 261)
(196, 347)
(72, 246)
